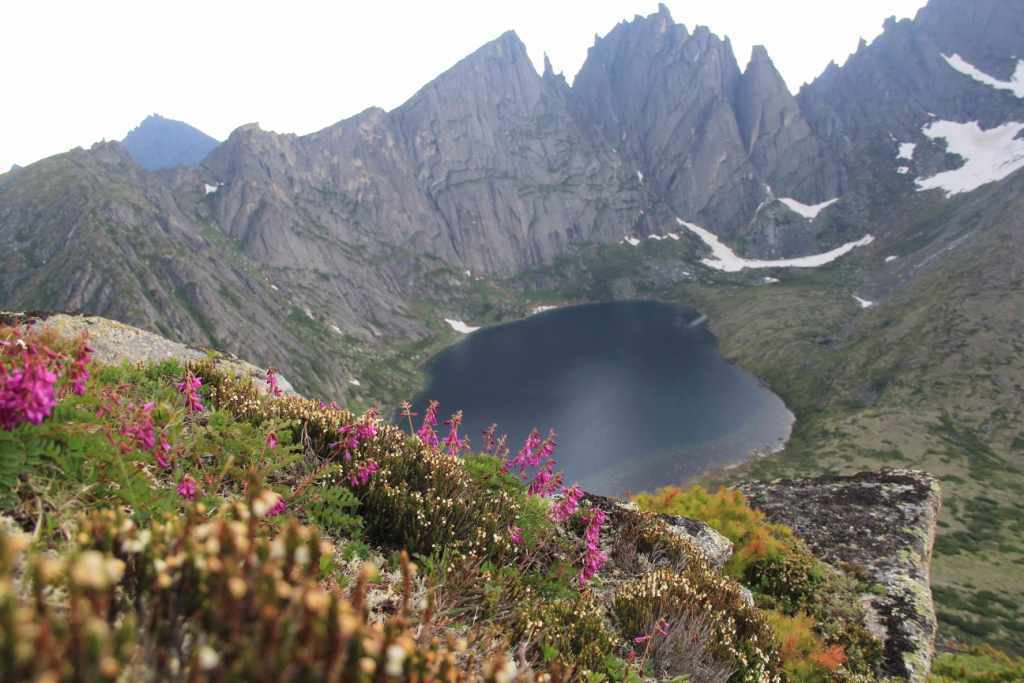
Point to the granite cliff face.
(889, 90)
(710, 139)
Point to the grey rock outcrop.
(875, 524)
(115, 343)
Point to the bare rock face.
(484, 167)
(710, 139)
(887, 91)
(878, 524)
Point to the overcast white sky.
(76, 71)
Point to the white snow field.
(1014, 85)
(725, 259)
(864, 303)
(989, 155)
(808, 211)
(460, 326)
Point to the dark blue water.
(638, 396)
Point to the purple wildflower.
(79, 373)
(593, 558)
(277, 508)
(564, 508)
(515, 534)
(272, 386)
(362, 476)
(142, 431)
(26, 394)
(161, 454)
(426, 431)
(452, 442)
(189, 386)
(187, 487)
(271, 440)
(545, 482)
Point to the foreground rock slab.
(115, 343)
(878, 525)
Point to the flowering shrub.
(740, 637)
(787, 579)
(191, 585)
(29, 375)
(212, 600)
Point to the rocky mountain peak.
(758, 55)
(158, 143)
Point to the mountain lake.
(637, 392)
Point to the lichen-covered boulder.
(879, 525)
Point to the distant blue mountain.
(163, 143)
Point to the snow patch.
(541, 309)
(336, 329)
(1014, 85)
(632, 241)
(906, 151)
(274, 287)
(469, 273)
(903, 170)
(808, 211)
(674, 236)
(639, 176)
(989, 155)
(725, 259)
(771, 280)
(460, 326)
(210, 189)
(864, 303)
(656, 238)
(355, 383)
(890, 259)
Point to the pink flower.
(426, 431)
(362, 476)
(161, 454)
(187, 487)
(190, 388)
(452, 442)
(564, 508)
(525, 454)
(593, 558)
(272, 383)
(26, 394)
(515, 534)
(277, 508)
(142, 432)
(545, 482)
(79, 373)
(533, 452)
(661, 628)
(641, 639)
(271, 440)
